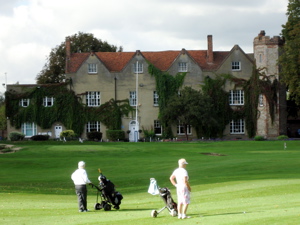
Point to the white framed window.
(237, 126)
(157, 127)
(92, 68)
(235, 66)
(132, 98)
(261, 100)
(182, 67)
(29, 129)
(93, 98)
(138, 67)
(155, 98)
(48, 101)
(93, 126)
(24, 102)
(236, 97)
(181, 129)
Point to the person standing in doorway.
(180, 180)
(80, 179)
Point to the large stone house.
(98, 77)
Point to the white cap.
(81, 164)
(182, 162)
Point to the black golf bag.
(108, 195)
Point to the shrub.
(95, 135)
(149, 135)
(259, 138)
(282, 137)
(115, 135)
(68, 134)
(16, 136)
(40, 137)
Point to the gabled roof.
(163, 60)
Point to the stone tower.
(266, 54)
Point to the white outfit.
(80, 177)
(183, 194)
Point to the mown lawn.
(233, 182)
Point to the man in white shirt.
(183, 188)
(80, 179)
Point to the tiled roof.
(116, 61)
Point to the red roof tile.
(116, 61)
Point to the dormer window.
(138, 67)
(92, 68)
(182, 67)
(24, 102)
(236, 66)
(48, 101)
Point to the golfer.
(80, 179)
(183, 188)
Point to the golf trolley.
(108, 195)
(165, 194)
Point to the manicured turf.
(233, 182)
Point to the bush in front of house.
(16, 136)
(40, 137)
(94, 136)
(259, 138)
(115, 135)
(282, 137)
(68, 134)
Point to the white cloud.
(31, 28)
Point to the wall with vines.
(67, 108)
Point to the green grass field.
(233, 182)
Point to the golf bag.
(166, 196)
(108, 195)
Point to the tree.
(54, 68)
(3, 121)
(290, 58)
(191, 107)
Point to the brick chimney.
(68, 54)
(210, 53)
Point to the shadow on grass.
(224, 214)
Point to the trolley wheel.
(107, 207)
(97, 206)
(154, 213)
(173, 212)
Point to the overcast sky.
(31, 28)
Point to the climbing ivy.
(166, 86)
(67, 108)
(223, 113)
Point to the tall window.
(237, 126)
(29, 129)
(93, 98)
(235, 66)
(48, 101)
(155, 98)
(24, 102)
(132, 98)
(92, 68)
(181, 129)
(157, 127)
(236, 97)
(138, 67)
(93, 126)
(182, 67)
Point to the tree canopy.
(290, 58)
(54, 68)
(191, 108)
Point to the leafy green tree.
(54, 68)
(191, 107)
(3, 121)
(290, 58)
